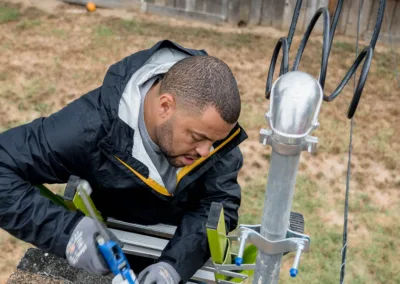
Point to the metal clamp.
(293, 242)
(268, 137)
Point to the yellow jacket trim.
(150, 182)
(187, 169)
(184, 171)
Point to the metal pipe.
(275, 219)
(294, 106)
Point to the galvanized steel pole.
(275, 219)
(295, 102)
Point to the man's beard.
(164, 134)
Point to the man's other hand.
(159, 273)
(82, 251)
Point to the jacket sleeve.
(188, 250)
(47, 150)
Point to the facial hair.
(164, 134)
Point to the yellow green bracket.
(71, 199)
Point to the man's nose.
(203, 149)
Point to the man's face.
(184, 137)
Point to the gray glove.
(82, 251)
(159, 273)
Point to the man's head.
(196, 103)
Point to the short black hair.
(201, 81)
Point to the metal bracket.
(294, 241)
(269, 137)
(274, 247)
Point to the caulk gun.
(110, 249)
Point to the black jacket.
(87, 138)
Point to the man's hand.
(82, 251)
(159, 273)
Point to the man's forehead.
(212, 132)
(209, 124)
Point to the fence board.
(311, 8)
(365, 15)
(180, 4)
(288, 14)
(395, 23)
(213, 6)
(266, 13)
(272, 13)
(389, 15)
(351, 25)
(200, 6)
(179, 12)
(319, 26)
(302, 17)
(170, 3)
(245, 11)
(344, 16)
(255, 11)
(389, 12)
(224, 8)
(191, 5)
(234, 11)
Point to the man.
(158, 144)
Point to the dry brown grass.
(49, 59)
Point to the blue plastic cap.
(293, 272)
(238, 261)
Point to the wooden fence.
(274, 13)
(279, 13)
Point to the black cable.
(346, 206)
(348, 177)
(292, 29)
(284, 65)
(335, 20)
(325, 44)
(367, 53)
(293, 24)
(328, 35)
(285, 44)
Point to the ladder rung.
(138, 240)
(160, 230)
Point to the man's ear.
(166, 105)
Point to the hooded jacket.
(96, 138)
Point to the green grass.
(104, 31)
(59, 33)
(8, 14)
(340, 46)
(252, 116)
(178, 33)
(373, 261)
(381, 140)
(28, 24)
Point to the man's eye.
(196, 138)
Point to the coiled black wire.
(328, 35)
